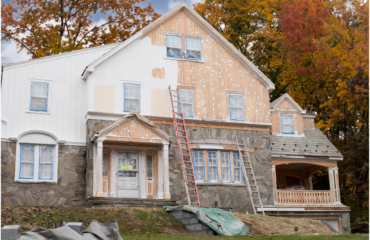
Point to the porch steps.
(192, 223)
(128, 202)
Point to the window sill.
(222, 184)
(35, 181)
(34, 112)
(182, 59)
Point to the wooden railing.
(303, 197)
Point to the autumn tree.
(47, 27)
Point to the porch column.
(310, 187)
(274, 184)
(160, 174)
(142, 174)
(99, 168)
(113, 172)
(166, 178)
(333, 184)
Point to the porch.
(293, 183)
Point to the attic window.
(174, 46)
(287, 124)
(193, 49)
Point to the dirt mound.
(268, 225)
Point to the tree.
(49, 27)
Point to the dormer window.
(193, 49)
(174, 46)
(287, 124)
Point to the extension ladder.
(249, 177)
(184, 153)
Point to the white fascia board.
(309, 116)
(286, 95)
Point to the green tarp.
(222, 222)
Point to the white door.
(128, 175)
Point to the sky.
(9, 51)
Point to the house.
(94, 126)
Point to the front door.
(128, 175)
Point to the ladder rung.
(177, 112)
(192, 195)
(188, 168)
(181, 130)
(189, 174)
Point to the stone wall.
(69, 190)
(235, 196)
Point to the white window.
(193, 48)
(131, 98)
(174, 46)
(287, 124)
(236, 103)
(225, 167)
(39, 96)
(36, 159)
(237, 168)
(199, 166)
(186, 99)
(212, 166)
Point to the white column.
(94, 170)
(310, 186)
(142, 174)
(160, 174)
(333, 184)
(113, 173)
(166, 176)
(99, 168)
(274, 183)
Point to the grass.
(139, 223)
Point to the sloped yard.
(154, 223)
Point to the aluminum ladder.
(249, 177)
(184, 153)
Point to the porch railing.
(303, 197)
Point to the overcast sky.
(9, 51)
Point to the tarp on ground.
(221, 221)
(95, 231)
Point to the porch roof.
(314, 144)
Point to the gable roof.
(203, 23)
(124, 119)
(275, 103)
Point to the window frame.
(223, 181)
(186, 48)
(234, 107)
(241, 168)
(282, 124)
(52, 162)
(132, 98)
(169, 56)
(192, 99)
(47, 97)
(20, 162)
(204, 168)
(218, 179)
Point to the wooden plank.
(137, 140)
(224, 148)
(328, 164)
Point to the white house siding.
(67, 102)
(134, 64)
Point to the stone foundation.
(69, 190)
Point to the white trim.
(132, 81)
(183, 59)
(309, 116)
(289, 135)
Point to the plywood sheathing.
(219, 71)
(158, 73)
(308, 124)
(285, 106)
(133, 129)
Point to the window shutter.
(287, 123)
(236, 107)
(193, 48)
(174, 46)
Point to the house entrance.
(128, 175)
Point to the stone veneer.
(69, 190)
(224, 195)
(229, 196)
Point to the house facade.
(95, 124)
